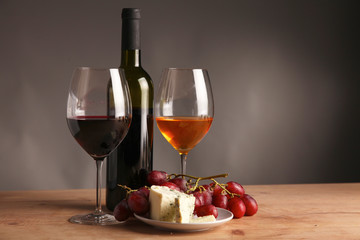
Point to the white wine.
(130, 163)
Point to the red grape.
(199, 196)
(217, 189)
(156, 177)
(209, 189)
(237, 207)
(220, 201)
(207, 197)
(122, 211)
(138, 203)
(199, 200)
(145, 191)
(171, 185)
(250, 204)
(180, 182)
(206, 210)
(235, 187)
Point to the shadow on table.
(134, 225)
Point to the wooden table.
(310, 211)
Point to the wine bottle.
(130, 163)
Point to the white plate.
(223, 217)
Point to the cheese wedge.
(170, 205)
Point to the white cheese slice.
(209, 218)
(170, 205)
(184, 208)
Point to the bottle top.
(131, 13)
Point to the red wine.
(98, 135)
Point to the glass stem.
(99, 164)
(183, 157)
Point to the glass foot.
(94, 219)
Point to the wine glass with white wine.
(184, 108)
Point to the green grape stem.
(198, 179)
(128, 189)
(201, 178)
(225, 190)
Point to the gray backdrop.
(283, 76)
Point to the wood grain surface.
(310, 211)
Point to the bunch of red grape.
(229, 196)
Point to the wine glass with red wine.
(98, 116)
(184, 108)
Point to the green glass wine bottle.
(130, 163)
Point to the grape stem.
(223, 188)
(201, 178)
(198, 179)
(128, 190)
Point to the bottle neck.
(130, 58)
(130, 42)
